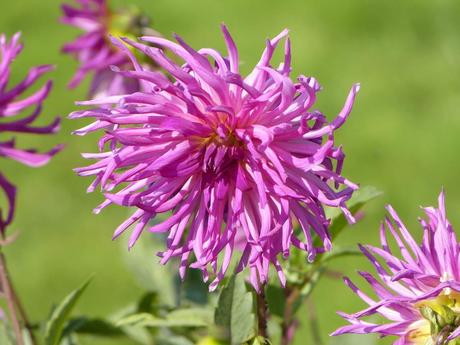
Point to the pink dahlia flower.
(419, 294)
(93, 48)
(226, 157)
(12, 107)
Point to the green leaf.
(98, 327)
(193, 288)
(148, 272)
(307, 289)
(258, 341)
(357, 201)
(148, 303)
(191, 317)
(173, 340)
(59, 316)
(6, 333)
(235, 310)
(136, 333)
(276, 298)
(339, 252)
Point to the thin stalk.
(10, 300)
(314, 323)
(22, 312)
(289, 325)
(262, 313)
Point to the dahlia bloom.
(420, 293)
(93, 49)
(12, 107)
(225, 157)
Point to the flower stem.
(22, 312)
(10, 299)
(262, 313)
(290, 324)
(314, 324)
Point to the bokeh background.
(402, 136)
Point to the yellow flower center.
(441, 316)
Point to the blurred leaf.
(70, 339)
(136, 333)
(234, 310)
(307, 289)
(339, 252)
(173, 340)
(276, 298)
(211, 341)
(257, 341)
(275, 329)
(6, 333)
(357, 201)
(26, 337)
(98, 327)
(55, 325)
(148, 303)
(142, 261)
(193, 288)
(191, 317)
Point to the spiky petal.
(235, 159)
(424, 282)
(12, 120)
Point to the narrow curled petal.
(425, 280)
(236, 161)
(17, 115)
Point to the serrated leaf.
(59, 316)
(234, 310)
(191, 317)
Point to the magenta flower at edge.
(93, 48)
(420, 293)
(231, 157)
(12, 107)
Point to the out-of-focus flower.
(13, 104)
(420, 293)
(93, 48)
(230, 157)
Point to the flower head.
(12, 107)
(230, 157)
(420, 293)
(93, 49)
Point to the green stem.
(314, 324)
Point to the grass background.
(402, 136)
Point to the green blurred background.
(402, 136)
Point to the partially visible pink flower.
(419, 294)
(233, 158)
(93, 48)
(12, 107)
